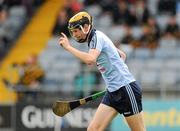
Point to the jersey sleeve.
(96, 43)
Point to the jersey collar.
(91, 35)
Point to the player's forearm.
(83, 56)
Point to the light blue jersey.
(112, 67)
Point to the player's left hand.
(64, 42)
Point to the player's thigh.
(103, 117)
(136, 122)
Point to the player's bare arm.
(122, 54)
(88, 58)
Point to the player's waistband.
(125, 85)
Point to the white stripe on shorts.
(132, 99)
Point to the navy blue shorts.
(127, 100)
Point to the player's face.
(78, 34)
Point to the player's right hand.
(64, 42)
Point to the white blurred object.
(168, 78)
(137, 32)
(116, 33)
(149, 78)
(104, 21)
(168, 43)
(162, 20)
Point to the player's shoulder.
(100, 34)
(96, 36)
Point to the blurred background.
(35, 71)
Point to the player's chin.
(75, 38)
(81, 40)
